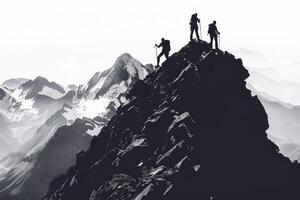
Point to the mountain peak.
(120, 75)
(126, 69)
(125, 56)
(40, 78)
(42, 86)
(190, 130)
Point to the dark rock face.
(191, 130)
(2, 94)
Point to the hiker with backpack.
(213, 33)
(166, 48)
(194, 26)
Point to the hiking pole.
(155, 52)
(200, 30)
(219, 40)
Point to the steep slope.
(191, 130)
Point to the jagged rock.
(190, 130)
(2, 94)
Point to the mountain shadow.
(190, 130)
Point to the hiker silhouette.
(194, 26)
(166, 48)
(213, 33)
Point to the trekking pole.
(219, 41)
(200, 30)
(155, 51)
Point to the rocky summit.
(191, 130)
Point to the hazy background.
(69, 40)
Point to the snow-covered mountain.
(25, 109)
(124, 71)
(106, 90)
(13, 83)
(38, 168)
(70, 118)
(41, 87)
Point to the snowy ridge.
(47, 91)
(40, 110)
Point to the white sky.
(69, 40)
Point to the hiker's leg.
(158, 58)
(191, 36)
(167, 55)
(197, 34)
(216, 42)
(211, 41)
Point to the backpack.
(167, 46)
(211, 30)
(193, 21)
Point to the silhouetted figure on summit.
(213, 33)
(166, 48)
(194, 26)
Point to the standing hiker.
(194, 26)
(165, 44)
(213, 33)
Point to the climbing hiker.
(165, 44)
(213, 33)
(194, 26)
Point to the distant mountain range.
(190, 130)
(46, 124)
(281, 100)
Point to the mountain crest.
(190, 130)
(115, 80)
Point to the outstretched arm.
(158, 45)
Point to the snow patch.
(94, 131)
(50, 92)
(91, 108)
(70, 115)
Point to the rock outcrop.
(190, 130)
